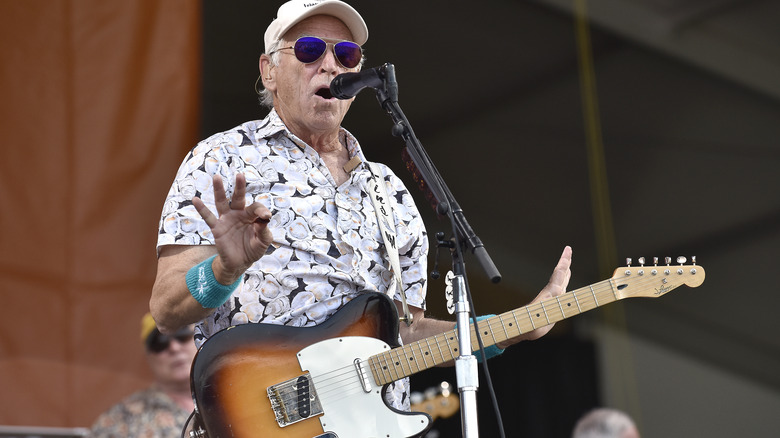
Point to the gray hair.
(603, 423)
(264, 96)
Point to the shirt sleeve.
(180, 223)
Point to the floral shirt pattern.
(327, 246)
(149, 413)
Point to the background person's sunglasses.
(161, 342)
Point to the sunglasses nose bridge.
(328, 59)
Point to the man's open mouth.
(324, 93)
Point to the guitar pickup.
(362, 375)
(294, 400)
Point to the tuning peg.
(681, 260)
(641, 261)
(628, 261)
(445, 388)
(668, 260)
(655, 261)
(693, 260)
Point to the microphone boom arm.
(387, 95)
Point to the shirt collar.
(275, 125)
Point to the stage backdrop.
(99, 104)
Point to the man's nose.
(329, 62)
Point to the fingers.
(239, 192)
(258, 212)
(220, 199)
(566, 257)
(561, 275)
(204, 212)
(237, 200)
(261, 213)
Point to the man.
(295, 234)
(605, 423)
(160, 410)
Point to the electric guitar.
(327, 381)
(438, 402)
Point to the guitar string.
(597, 290)
(589, 297)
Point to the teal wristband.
(489, 351)
(205, 288)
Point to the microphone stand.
(430, 181)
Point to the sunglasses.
(310, 49)
(161, 342)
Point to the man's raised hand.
(241, 233)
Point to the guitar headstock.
(656, 280)
(437, 402)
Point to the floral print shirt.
(149, 413)
(327, 246)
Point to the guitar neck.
(436, 350)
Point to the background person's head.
(169, 357)
(605, 423)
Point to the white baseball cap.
(293, 11)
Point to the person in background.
(605, 423)
(162, 409)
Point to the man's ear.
(267, 72)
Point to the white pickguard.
(350, 412)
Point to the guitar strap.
(384, 215)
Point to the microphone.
(348, 85)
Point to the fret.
(406, 360)
(517, 323)
(397, 363)
(391, 367)
(388, 367)
(545, 312)
(425, 353)
(379, 376)
(527, 309)
(374, 370)
(614, 290)
(579, 309)
(503, 326)
(413, 360)
(563, 314)
(451, 352)
(418, 356)
(592, 292)
(438, 345)
(484, 324)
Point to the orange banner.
(100, 102)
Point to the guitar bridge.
(294, 400)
